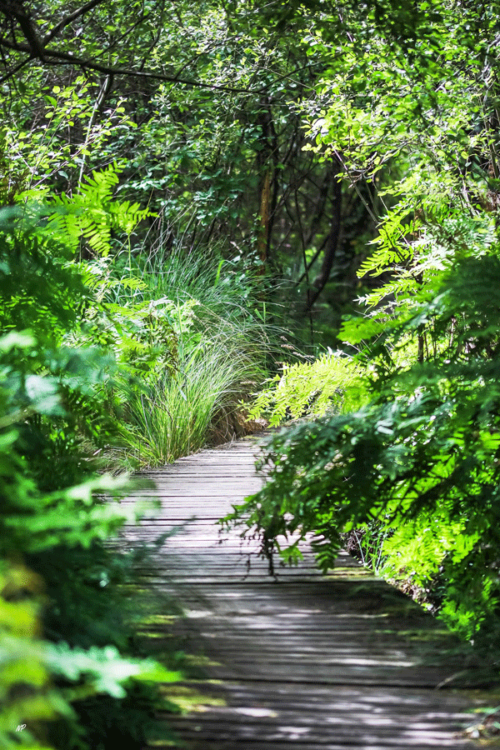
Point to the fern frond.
(93, 214)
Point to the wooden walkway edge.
(307, 662)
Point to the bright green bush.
(65, 631)
(332, 383)
(421, 458)
(417, 465)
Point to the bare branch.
(125, 34)
(333, 241)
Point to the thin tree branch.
(354, 185)
(313, 261)
(333, 239)
(16, 68)
(37, 49)
(306, 268)
(125, 34)
(66, 58)
(69, 18)
(16, 11)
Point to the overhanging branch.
(56, 57)
(36, 48)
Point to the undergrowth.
(331, 383)
(220, 349)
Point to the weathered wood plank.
(299, 660)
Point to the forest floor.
(296, 660)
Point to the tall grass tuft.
(223, 348)
(175, 416)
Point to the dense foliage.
(413, 467)
(55, 570)
(201, 202)
(130, 333)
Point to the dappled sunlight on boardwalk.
(299, 660)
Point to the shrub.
(332, 383)
(221, 347)
(56, 648)
(421, 458)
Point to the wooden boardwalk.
(305, 662)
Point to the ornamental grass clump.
(221, 352)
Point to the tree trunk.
(333, 239)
